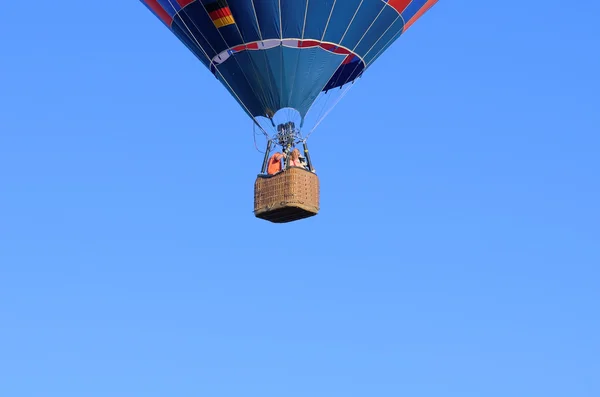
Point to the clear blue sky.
(459, 257)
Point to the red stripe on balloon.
(419, 14)
(184, 3)
(399, 5)
(159, 11)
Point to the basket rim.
(269, 176)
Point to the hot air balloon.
(287, 63)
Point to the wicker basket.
(287, 196)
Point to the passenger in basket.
(295, 159)
(275, 163)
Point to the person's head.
(296, 154)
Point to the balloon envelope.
(275, 54)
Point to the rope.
(267, 64)
(319, 118)
(262, 98)
(191, 35)
(348, 88)
(298, 56)
(255, 145)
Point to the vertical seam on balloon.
(369, 28)
(252, 61)
(328, 19)
(386, 2)
(366, 64)
(354, 49)
(261, 39)
(320, 118)
(257, 22)
(224, 79)
(281, 52)
(364, 35)
(280, 22)
(183, 11)
(400, 33)
(384, 48)
(341, 63)
(299, 52)
(344, 35)
(378, 40)
(351, 21)
(263, 99)
(305, 17)
(322, 88)
(191, 36)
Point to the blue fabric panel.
(274, 87)
(193, 47)
(230, 34)
(316, 18)
(245, 18)
(345, 74)
(263, 94)
(315, 68)
(292, 18)
(412, 9)
(362, 22)
(230, 75)
(194, 40)
(154, 13)
(196, 24)
(386, 41)
(221, 39)
(264, 81)
(170, 6)
(260, 70)
(383, 22)
(267, 13)
(342, 15)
